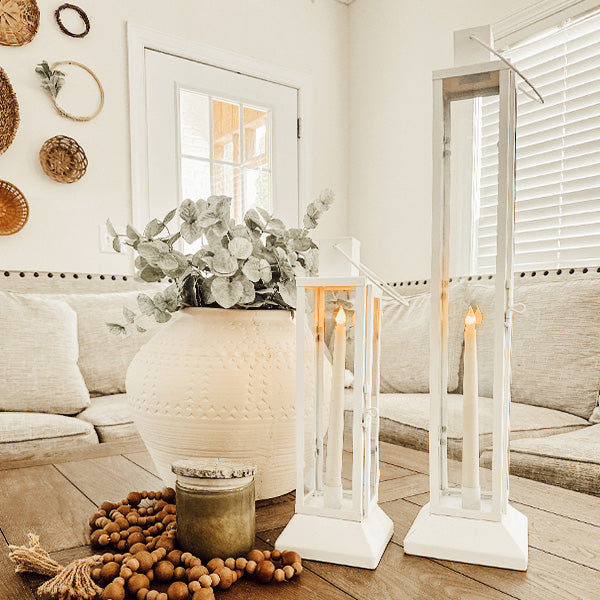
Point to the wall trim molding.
(140, 38)
(536, 17)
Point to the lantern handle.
(511, 66)
(378, 282)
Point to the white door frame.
(140, 38)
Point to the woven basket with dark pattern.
(9, 112)
(19, 21)
(63, 159)
(14, 209)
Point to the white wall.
(62, 232)
(394, 47)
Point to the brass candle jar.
(215, 507)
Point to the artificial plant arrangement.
(248, 265)
(52, 80)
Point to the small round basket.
(14, 210)
(9, 112)
(19, 21)
(63, 159)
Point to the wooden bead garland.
(142, 531)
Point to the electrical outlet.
(106, 240)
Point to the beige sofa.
(555, 373)
(53, 400)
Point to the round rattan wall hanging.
(19, 21)
(53, 80)
(63, 159)
(80, 12)
(14, 209)
(9, 112)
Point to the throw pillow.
(38, 356)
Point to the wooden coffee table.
(55, 497)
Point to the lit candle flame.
(474, 317)
(340, 316)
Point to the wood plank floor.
(54, 497)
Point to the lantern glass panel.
(468, 278)
(329, 350)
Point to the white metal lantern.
(468, 523)
(337, 518)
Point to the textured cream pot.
(221, 383)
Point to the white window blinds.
(558, 155)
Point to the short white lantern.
(469, 522)
(337, 517)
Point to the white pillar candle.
(471, 497)
(335, 437)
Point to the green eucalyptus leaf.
(140, 262)
(287, 290)
(251, 269)
(266, 274)
(161, 316)
(227, 293)
(188, 211)
(248, 293)
(224, 263)
(116, 329)
(116, 244)
(240, 247)
(132, 234)
(111, 230)
(153, 228)
(151, 274)
(169, 216)
(146, 304)
(140, 329)
(128, 314)
(190, 232)
(167, 262)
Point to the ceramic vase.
(221, 383)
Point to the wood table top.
(54, 497)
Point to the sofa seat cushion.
(404, 420)
(31, 435)
(111, 417)
(38, 356)
(570, 460)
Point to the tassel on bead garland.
(73, 582)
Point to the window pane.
(257, 187)
(195, 179)
(226, 131)
(228, 182)
(256, 133)
(194, 124)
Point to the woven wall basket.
(14, 209)
(19, 21)
(9, 112)
(63, 159)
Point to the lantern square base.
(490, 543)
(339, 541)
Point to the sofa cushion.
(38, 356)
(570, 460)
(404, 420)
(30, 435)
(103, 356)
(111, 417)
(405, 342)
(556, 344)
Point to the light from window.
(558, 155)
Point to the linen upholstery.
(570, 460)
(404, 420)
(29, 435)
(111, 417)
(556, 345)
(38, 356)
(405, 342)
(104, 357)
